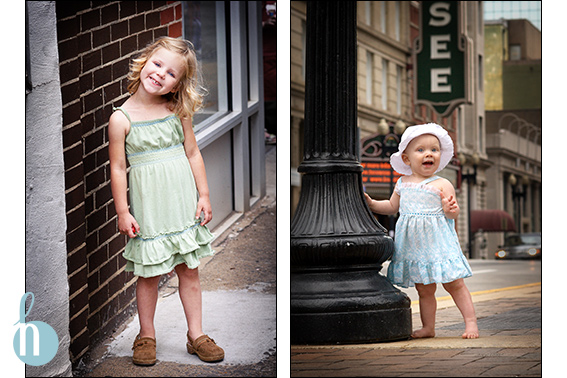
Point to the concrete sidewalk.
(509, 345)
(239, 306)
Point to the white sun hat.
(415, 131)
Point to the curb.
(487, 295)
(524, 341)
(528, 292)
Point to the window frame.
(223, 78)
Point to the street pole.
(337, 246)
(471, 180)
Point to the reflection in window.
(204, 26)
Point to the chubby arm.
(118, 127)
(386, 207)
(198, 167)
(448, 199)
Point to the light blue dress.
(427, 248)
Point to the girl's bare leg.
(191, 299)
(427, 309)
(463, 300)
(146, 296)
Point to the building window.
(480, 134)
(369, 76)
(397, 20)
(368, 12)
(399, 89)
(384, 84)
(515, 52)
(480, 73)
(204, 26)
(460, 126)
(383, 17)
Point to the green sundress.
(163, 200)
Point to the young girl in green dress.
(169, 194)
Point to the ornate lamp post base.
(354, 304)
(337, 250)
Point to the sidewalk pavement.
(239, 306)
(509, 320)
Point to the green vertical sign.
(441, 56)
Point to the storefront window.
(204, 26)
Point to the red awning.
(492, 221)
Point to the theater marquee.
(441, 55)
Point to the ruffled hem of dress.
(192, 260)
(149, 258)
(407, 273)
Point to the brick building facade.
(94, 42)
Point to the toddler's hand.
(368, 199)
(449, 204)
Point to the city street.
(491, 275)
(508, 306)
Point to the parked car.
(520, 246)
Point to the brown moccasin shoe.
(144, 351)
(205, 348)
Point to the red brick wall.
(96, 42)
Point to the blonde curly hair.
(189, 97)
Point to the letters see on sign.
(441, 56)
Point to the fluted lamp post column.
(337, 246)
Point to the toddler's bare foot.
(471, 331)
(423, 333)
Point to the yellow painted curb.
(479, 296)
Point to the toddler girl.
(427, 249)
(168, 189)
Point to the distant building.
(386, 34)
(513, 10)
(513, 122)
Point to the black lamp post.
(471, 180)
(518, 194)
(337, 246)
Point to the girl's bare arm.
(386, 207)
(448, 199)
(198, 167)
(118, 127)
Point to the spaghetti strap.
(124, 112)
(428, 180)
